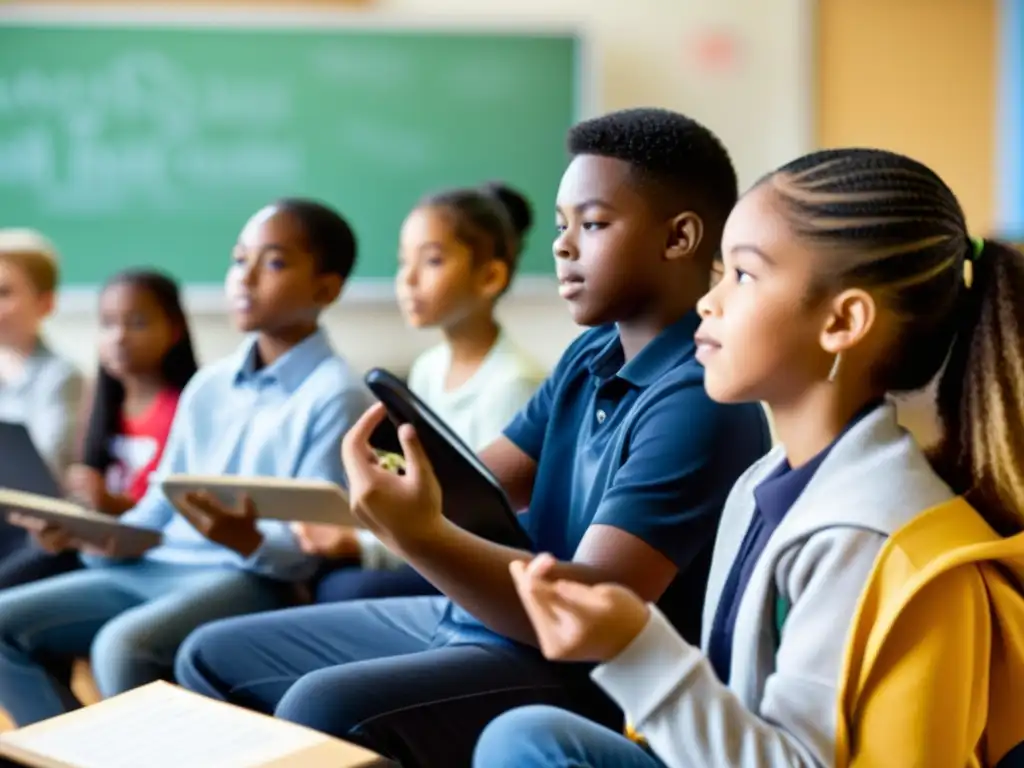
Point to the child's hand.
(51, 538)
(398, 508)
(88, 487)
(576, 622)
(54, 539)
(332, 541)
(232, 528)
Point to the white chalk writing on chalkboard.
(340, 64)
(487, 81)
(386, 142)
(138, 131)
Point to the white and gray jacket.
(779, 707)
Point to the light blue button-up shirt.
(285, 420)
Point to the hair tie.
(977, 246)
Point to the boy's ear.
(494, 278)
(328, 289)
(47, 303)
(685, 235)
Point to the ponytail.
(980, 397)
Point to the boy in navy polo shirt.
(622, 459)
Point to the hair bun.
(518, 207)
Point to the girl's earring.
(834, 371)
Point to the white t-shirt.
(480, 409)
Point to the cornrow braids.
(890, 225)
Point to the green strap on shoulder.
(781, 612)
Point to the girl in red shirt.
(146, 359)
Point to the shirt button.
(601, 416)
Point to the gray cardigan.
(779, 707)
(47, 399)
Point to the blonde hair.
(33, 253)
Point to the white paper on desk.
(163, 727)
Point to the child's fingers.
(358, 456)
(191, 508)
(541, 566)
(246, 507)
(518, 570)
(536, 597)
(31, 524)
(417, 467)
(574, 592)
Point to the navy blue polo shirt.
(638, 446)
(773, 498)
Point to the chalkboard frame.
(204, 298)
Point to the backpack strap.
(781, 613)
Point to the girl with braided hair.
(864, 606)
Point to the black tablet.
(21, 466)
(472, 497)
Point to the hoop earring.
(834, 371)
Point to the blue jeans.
(129, 618)
(351, 582)
(544, 737)
(379, 673)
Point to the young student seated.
(457, 256)
(621, 458)
(146, 360)
(864, 607)
(37, 387)
(459, 251)
(278, 407)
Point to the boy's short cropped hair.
(684, 160)
(33, 253)
(329, 236)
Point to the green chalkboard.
(138, 144)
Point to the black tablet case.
(472, 496)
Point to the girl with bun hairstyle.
(458, 252)
(457, 255)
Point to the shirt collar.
(31, 366)
(674, 345)
(289, 370)
(780, 490)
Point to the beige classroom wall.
(919, 77)
(644, 52)
(915, 76)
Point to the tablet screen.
(21, 466)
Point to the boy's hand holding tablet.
(227, 510)
(51, 538)
(400, 509)
(234, 528)
(55, 539)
